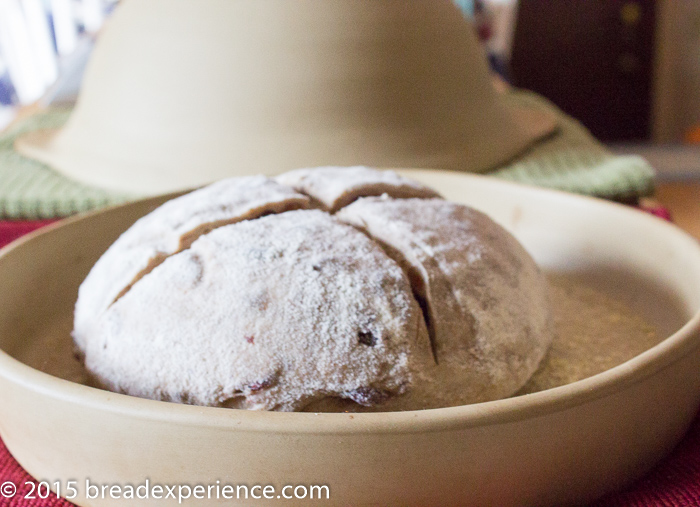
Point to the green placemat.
(32, 190)
(571, 160)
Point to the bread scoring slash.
(329, 289)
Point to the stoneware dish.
(565, 445)
(262, 86)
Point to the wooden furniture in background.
(682, 198)
(593, 58)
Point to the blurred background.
(629, 70)
(44, 45)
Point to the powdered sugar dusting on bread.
(336, 187)
(273, 313)
(169, 229)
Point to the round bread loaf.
(398, 302)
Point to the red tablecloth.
(10, 231)
(675, 482)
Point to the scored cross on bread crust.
(332, 188)
(398, 302)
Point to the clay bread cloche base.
(250, 299)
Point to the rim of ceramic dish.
(657, 358)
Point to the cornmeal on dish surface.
(208, 301)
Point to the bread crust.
(393, 303)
